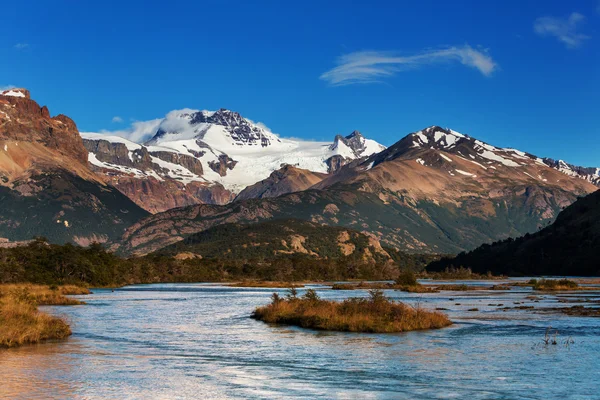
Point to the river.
(173, 341)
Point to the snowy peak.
(437, 137)
(436, 143)
(590, 174)
(355, 145)
(222, 128)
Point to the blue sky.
(522, 74)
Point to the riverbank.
(20, 320)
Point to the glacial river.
(174, 341)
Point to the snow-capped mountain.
(480, 154)
(590, 174)
(218, 148)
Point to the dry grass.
(43, 295)
(266, 284)
(376, 314)
(21, 322)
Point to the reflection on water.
(196, 341)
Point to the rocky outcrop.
(141, 175)
(46, 186)
(288, 179)
(187, 161)
(155, 195)
(335, 163)
(223, 164)
(22, 119)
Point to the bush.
(407, 278)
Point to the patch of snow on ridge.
(424, 139)
(371, 147)
(13, 93)
(449, 139)
(420, 161)
(495, 157)
(466, 173)
(445, 157)
(456, 133)
(128, 170)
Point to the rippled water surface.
(196, 341)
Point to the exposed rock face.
(285, 180)
(155, 195)
(223, 164)
(154, 185)
(22, 119)
(189, 162)
(335, 163)
(46, 186)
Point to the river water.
(173, 341)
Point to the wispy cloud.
(117, 119)
(21, 46)
(3, 88)
(138, 131)
(374, 66)
(564, 29)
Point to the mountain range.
(209, 157)
(434, 191)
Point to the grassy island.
(21, 322)
(554, 284)
(376, 314)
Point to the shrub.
(407, 278)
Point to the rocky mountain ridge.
(46, 186)
(434, 191)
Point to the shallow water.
(196, 341)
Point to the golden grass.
(376, 314)
(44, 295)
(265, 284)
(20, 321)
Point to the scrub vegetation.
(375, 314)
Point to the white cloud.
(21, 46)
(117, 119)
(3, 88)
(564, 29)
(139, 131)
(373, 66)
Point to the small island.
(375, 314)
